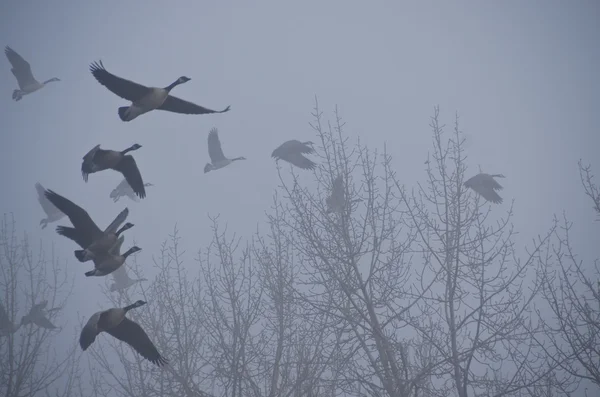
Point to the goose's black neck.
(129, 307)
(172, 85)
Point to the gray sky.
(523, 76)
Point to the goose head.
(133, 147)
(181, 80)
(126, 226)
(137, 303)
(131, 251)
(238, 158)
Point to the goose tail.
(124, 113)
(90, 273)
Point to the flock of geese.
(103, 247)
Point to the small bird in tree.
(486, 186)
(7, 327)
(100, 159)
(293, 151)
(114, 322)
(22, 72)
(335, 202)
(37, 316)
(53, 214)
(217, 158)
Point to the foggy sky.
(522, 75)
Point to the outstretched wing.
(79, 217)
(89, 332)
(20, 68)
(42, 321)
(214, 147)
(131, 333)
(176, 105)
(131, 172)
(47, 206)
(126, 89)
(299, 161)
(112, 228)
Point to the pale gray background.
(523, 76)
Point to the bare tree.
(570, 312)
(32, 360)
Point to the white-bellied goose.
(486, 186)
(144, 99)
(53, 214)
(107, 263)
(217, 158)
(97, 160)
(7, 327)
(22, 71)
(114, 322)
(292, 152)
(120, 276)
(123, 189)
(37, 316)
(84, 231)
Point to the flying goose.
(144, 99)
(84, 231)
(292, 152)
(100, 159)
(52, 213)
(22, 71)
(108, 263)
(124, 189)
(37, 316)
(486, 186)
(116, 324)
(6, 325)
(122, 280)
(217, 158)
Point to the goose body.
(293, 152)
(22, 72)
(485, 185)
(145, 99)
(97, 160)
(37, 316)
(7, 327)
(215, 152)
(84, 231)
(108, 263)
(53, 214)
(114, 322)
(123, 189)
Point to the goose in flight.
(122, 280)
(114, 322)
(123, 189)
(217, 158)
(100, 159)
(292, 152)
(144, 99)
(53, 214)
(486, 186)
(84, 231)
(7, 327)
(37, 316)
(22, 72)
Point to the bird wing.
(47, 206)
(134, 335)
(126, 89)
(79, 217)
(489, 194)
(89, 331)
(299, 161)
(20, 68)
(82, 239)
(42, 321)
(495, 185)
(112, 228)
(128, 167)
(115, 250)
(176, 105)
(120, 276)
(214, 147)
